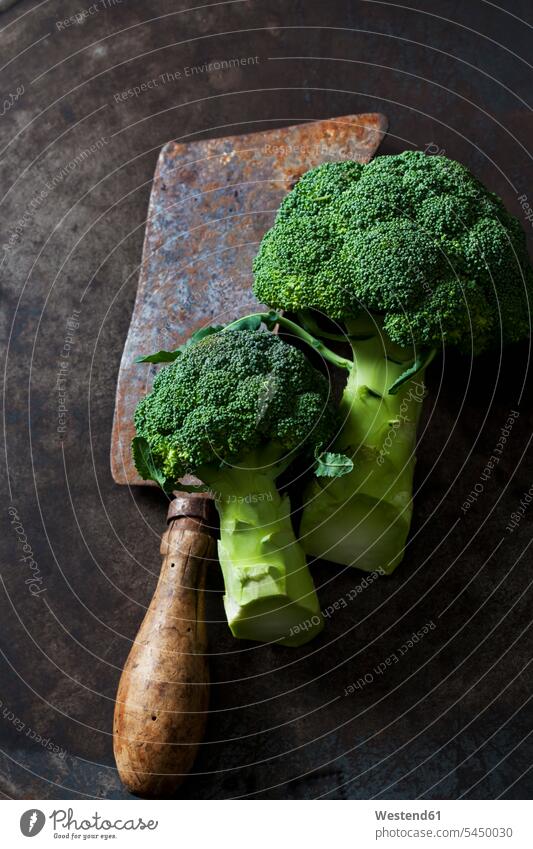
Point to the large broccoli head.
(227, 395)
(413, 237)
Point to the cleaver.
(211, 203)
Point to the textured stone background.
(452, 718)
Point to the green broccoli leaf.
(422, 360)
(201, 334)
(144, 463)
(159, 357)
(170, 356)
(249, 322)
(329, 465)
(255, 320)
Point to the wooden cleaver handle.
(162, 699)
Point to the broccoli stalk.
(359, 514)
(363, 518)
(235, 409)
(269, 592)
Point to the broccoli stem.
(270, 595)
(270, 319)
(363, 518)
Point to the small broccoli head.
(414, 238)
(228, 395)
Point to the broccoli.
(399, 257)
(235, 409)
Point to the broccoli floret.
(235, 409)
(409, 253)
(385, 236)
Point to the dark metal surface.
(211, 203)
(452, 717)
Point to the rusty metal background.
(211, 203)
